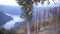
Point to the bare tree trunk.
(34, 28)
(57, 16)
(28, 28)
(37, 20)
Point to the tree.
(2, 30)
(11, 31)
(27, 10)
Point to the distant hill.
(4, 18)
(14, 10)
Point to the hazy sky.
(8, 2)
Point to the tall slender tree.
(27, 6)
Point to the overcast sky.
(8, 2)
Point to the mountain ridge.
(14, 10)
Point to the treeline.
(4, 31)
